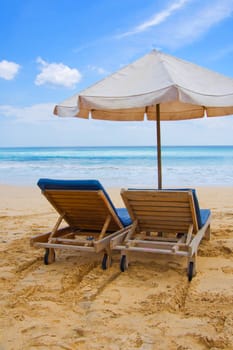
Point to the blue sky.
(51, 49)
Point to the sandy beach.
(74, 304)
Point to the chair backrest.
(161, 210)
(84, 203)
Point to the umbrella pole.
(158, 147)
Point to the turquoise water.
(119, 166)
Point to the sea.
(182, 166)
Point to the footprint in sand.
(227, 269)
(114, 298)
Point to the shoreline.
(182, 166)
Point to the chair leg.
(107, 260)
(207, 233)
(49, 256)
(124, 261)
(192, 267)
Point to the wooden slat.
(165, 229)
(64, 246)
(86, 212)
(185, 214)
(84, 209)
(73, 241)
(75, 201)
(157, 203)
(151, 215)
(154, 244)
(160, 206)
(168, 211)
(81, 193)
(151, 250)
(154, 220)
(155, 223)
(78, 206)
(156, 195)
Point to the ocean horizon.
(119, 166)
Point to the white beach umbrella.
(158, 85)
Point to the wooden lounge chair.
(90, 214)
(164, 222)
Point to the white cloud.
(225, 51)
(8, 70)
(157, 18)
(29, 114)
(36, 125)
(57, 74)
(181, 23)
(200, 21)
(99, 70)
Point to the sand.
(74, 304)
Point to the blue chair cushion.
(202, 214)
(84, 185)
(124, 216)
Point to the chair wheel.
(49, 256)
(123, 266)
(106, 261)
(190, 270)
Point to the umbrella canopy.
(158, 85)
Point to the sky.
(52, 49)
